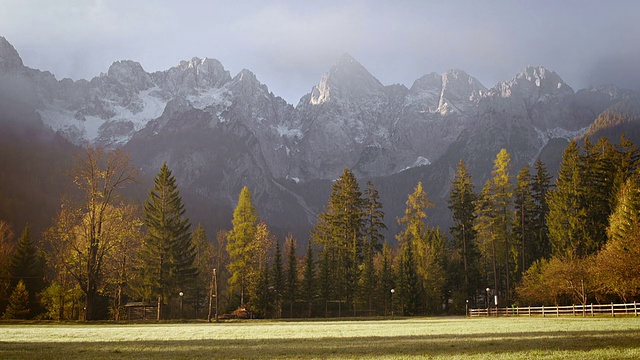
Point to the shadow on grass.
(483, 345)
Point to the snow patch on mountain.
(420, 161)
(284, 131)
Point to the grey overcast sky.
(290, 44)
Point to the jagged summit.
(533, 80)
(9, 57)
(130, 74)
(345, 81)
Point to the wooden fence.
(570, 310)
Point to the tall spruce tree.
(523, 226)
(309, 286)
(567, 216)
(541, 248)
(373, 239)
(278, 279)
(494, 218)
(617, 266)
(240, 245)
(461, 200)
(413, 240)
(291, 288)
(18, 307)
(339, 232)
(27, 265)
(168, 253)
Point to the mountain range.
(219, 133)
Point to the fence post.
(529, 310)
(557, 311)
(542, 310)
(613, 314)
(635, 308)
(591, 309)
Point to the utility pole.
(213, 292)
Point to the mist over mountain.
(219, 132)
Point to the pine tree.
(168, 253)
(523, 226)
(567, 216)
(373, 238)
(327, 284)
(18, 307)
(408, 290)
(386, 278)
(462, 197)
(240, 244)
(539, 189)
(291, 289)
(204, 262)
(27, 265)
(494, 218)
(413, 240)
(278, 280)
(617, 265)
(263, 299)
(339, 231)
(309, 292)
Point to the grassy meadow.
(506, 338)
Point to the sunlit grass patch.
(384, 339)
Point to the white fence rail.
(570, 310)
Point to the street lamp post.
(181, 308)
(488, 302)
(393, 291)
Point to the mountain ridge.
(219, 133)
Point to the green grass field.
(592, 338)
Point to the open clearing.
(593, 338)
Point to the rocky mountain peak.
(130, 74)
(459, 91)
(533, 80)
(346, 80)
(246, 83)
(9, 58)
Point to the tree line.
(521, 240)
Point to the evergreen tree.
(373, 239)
(386, 278)
(598, 165)
(541, 248)
(340, 233)
(567, 216)
(413, 239)
(278, 280)
(617, 266)
(204, 262)
(291, 289)
(240, 244)
(309, 292)
(327, 285)
(168, 253)
(494, 218)
(462, 197)
(27, 265)
(408, 290)
(18, 307)
(263, 300)
(523, 226)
